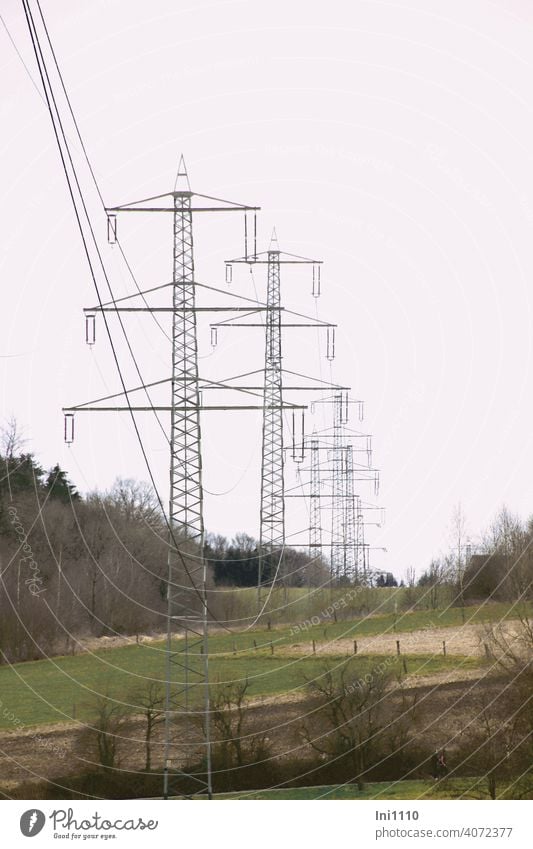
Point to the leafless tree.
(137, 501)
(434, 580)
(101, 737)
(235, 743)
(350, 717)
(11, 439)
(151, 701)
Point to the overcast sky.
(392, 140)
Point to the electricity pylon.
(272, 508)
(338, 507)
(331, 489)
(186, 679)
(315, 523)
(272, 494)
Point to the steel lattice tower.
(360, 545)
(186, 497)
(272, 515)
(187, 661)
(350, 518)
(272, 490)
(338, 491)
(186, 680)
(315, 525)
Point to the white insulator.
(69, 428)
(344, 408)
(229, 274)
(90, 328)
(214, 337)
(316, 281)
(330, 343)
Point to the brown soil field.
(53, 752)
(467, 641)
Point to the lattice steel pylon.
(338, 512)
(361, 548)
(354, 526)
(349, 566)
(187, 570)
(272, 506)
(272, 488)
(315, 523)
(186, 679)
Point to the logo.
(32, 822)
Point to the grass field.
(368, 626)
(59, 690)
(452, 788)
(63, 688)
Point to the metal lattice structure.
(315, 523)
(338, 512)
(272, 507)
(349, 566)
(186, 660)
(186, 679)
(361, 549)
(272, 488)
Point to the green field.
(388, 623)
(48, 691)
(452, 788)
(59, 690)
(64, 688)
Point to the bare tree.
(11, 439)
(434, 579)
(351, 711)
(103, 732)
(235, 744)
(136, 500)
(151, 700)
(493, 738)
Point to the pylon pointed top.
(182, 178)
(274, 240)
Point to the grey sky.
(392, 140)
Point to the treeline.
(501, 569)
(74, 567)
(236, 563)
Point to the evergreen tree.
(20, 474)
(59, 486)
